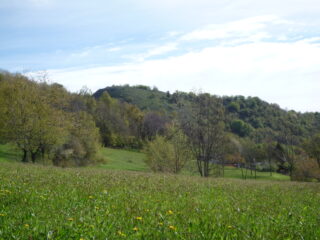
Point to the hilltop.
(246, 116)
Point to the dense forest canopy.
(48, 123)
(246, 116)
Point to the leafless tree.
(203, 124)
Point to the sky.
(269, 49)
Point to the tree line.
(49, 124)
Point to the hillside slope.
(246, 116)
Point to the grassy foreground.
(38, 202)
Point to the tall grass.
(38, 202)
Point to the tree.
(82, 144)
(28, 120)
(306, 169)
(181, 150)
(120, 124)
(285, 150)
(253, 155)
(312, 147)
(286, 156)
(203, 124)
(168, 153)
(39, 123)
(153, 123)
(241, 128)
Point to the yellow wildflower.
(139, 218)
(172, 228)
(2, 214)
(135, 229)
(26, 225)
(121, 234)
(70, 219)
(170, 212)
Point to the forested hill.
(144, 97)
(246, 116)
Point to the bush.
(165, 155)
(82, 145)
(159, 155)
(306, 169)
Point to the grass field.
(119, 159)
(38, 202)
(8, 153)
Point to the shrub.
(165, 155)
(306, 169)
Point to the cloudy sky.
(269, 49)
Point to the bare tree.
(203, 124)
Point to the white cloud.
(151, 51)
(265, 56)
(277, 72)
(242, 28)
(95, 50)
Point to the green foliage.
(233, 107)
(306, 169)
(264, 120)
(312, 146)
(27, 119)
(241, 128)
(82, 144)
(53, 203)
(159, 155)
(168, 154)
(141, 96)
(120, 124)
(46, 122)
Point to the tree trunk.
(270, 166)
(206, 169)
(255, 168)
(242, 175)
(245, 177)
(199, 164)
(24, 156)
(33, 156)
(223, 169)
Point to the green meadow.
(45, 202)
